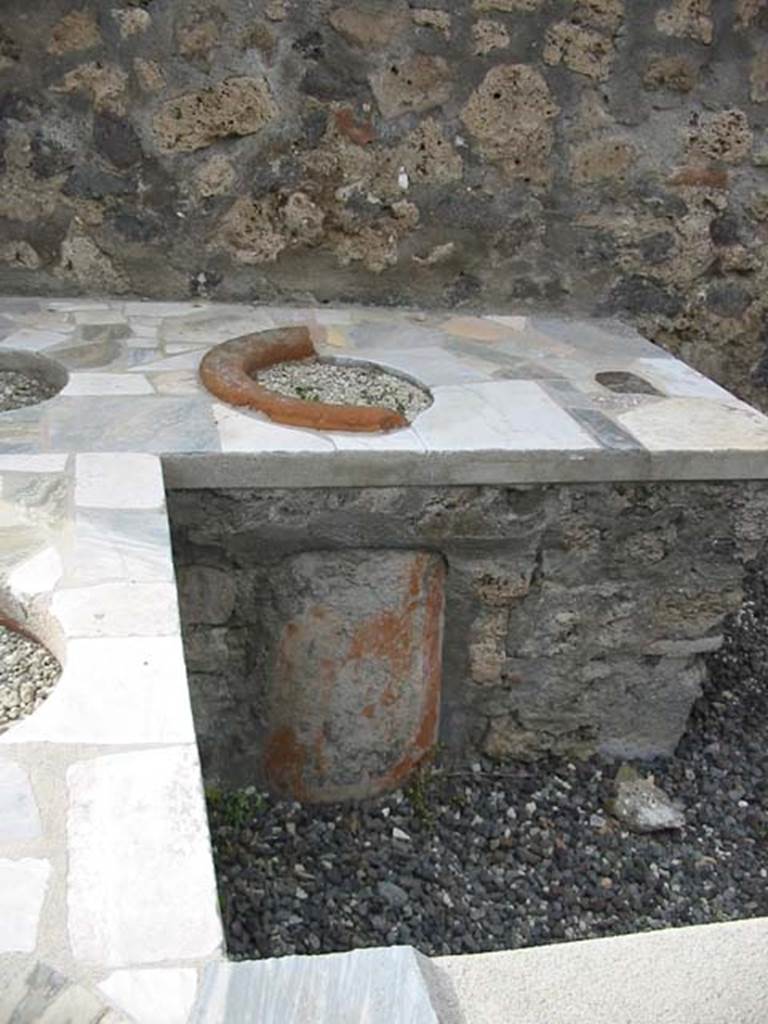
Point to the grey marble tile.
(23, 886)
(500, 363)
(19, 818)
(567, 394)
(85, 354)
(34, 993)
(378, 986)
(119, 424)
(43, 496)
(525, 370)
(597, 339)
(7, 326)
(120, 544)
(609, 433)
(14, 304)
(397, 334)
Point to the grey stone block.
(378, 986)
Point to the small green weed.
(417, 791)
(234, 807)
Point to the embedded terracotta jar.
(351, 672)
(229, 371)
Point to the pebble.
(28, 673)
(314, 380)
(641, 805)
(481, 872)
(18, 389)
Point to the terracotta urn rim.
(227, 371)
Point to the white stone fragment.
(106, 384)
(123, 480)
(31, 340)
(35, 463)
(117, 609)
(22, 890)
(37, 575)
(247, 432)
(130, 690)
(141, 887)
(153, 995)
(19, 818)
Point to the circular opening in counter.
(28, 673)
(279, 373)
(27, 378)
(622, 382)
(346, 383)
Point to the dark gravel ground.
(498, 858)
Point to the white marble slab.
(429, 365)
(162, 309)
(697, 425)
(375, 986)
(405, 440)
(248, 432)
(23, 885)
(48, 462)
(509, 415)
(176, 382)
(209, 327)
(153, 995)
(123, 690)
(100, 316)
(678, 380)
(106, 384)
(30, 339)
(117, 609)
(19, 817)
(189, 360)
(141, 887)
(37, 575)
(125, 480)
(72, 305)
(110, 545)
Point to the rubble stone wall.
(577, 618)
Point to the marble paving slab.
(377, 986)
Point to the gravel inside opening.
(18, 389)
(28, 673)
(342, 384)
(521, 855)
